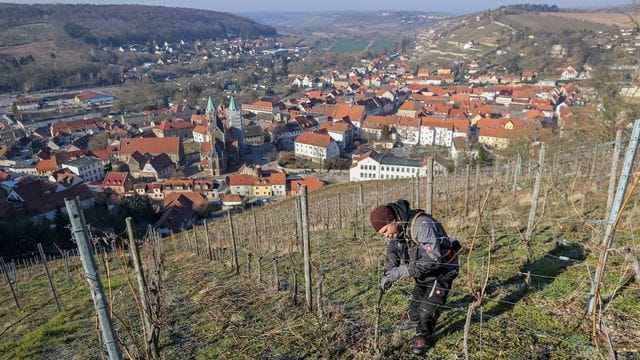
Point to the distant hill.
(118, 24)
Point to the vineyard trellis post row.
(613, 215)
(81, 236)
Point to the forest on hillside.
(110, 25)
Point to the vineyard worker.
(417, 247)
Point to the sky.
(235, 6)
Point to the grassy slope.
(213, 314)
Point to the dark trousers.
(426, 305)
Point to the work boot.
(406, 323)
(420, 346)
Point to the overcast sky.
(452, 6)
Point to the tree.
(385, 133)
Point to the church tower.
(233, 114)
(216, 138)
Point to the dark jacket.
(424, 266)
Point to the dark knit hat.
(381, 216)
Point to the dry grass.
(41, 51)
(609, 19)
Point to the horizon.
(252, 6)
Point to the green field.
(349, 45)
(379, 46)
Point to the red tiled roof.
(315, 139)
(167, 125)
(278, 179)
(113, 178)
(44, 166)
(169, 145)
(353, 112)
(312, 184)
(232, 198)
(193, 197)
(335, 127)
(200, 130)
(241, 180)
(86, 95)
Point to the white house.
(373, 166)
(569, 73)
(317, 147)
(89, 168)
(199, 134)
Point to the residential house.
(149, 166)
(340, 131)
(241, 184)
(74, 128)
(261, 187)
(150, 190)
(263, 106)
(178, 213)
(40, 199)
(254, 135)
(88, 167)
(179, 129)
(171, 146)
(316, 146)
(231, 200)
(374, 166)
(65, 178)
(410, 109)
(569, 74)
(199, 134)
(311, 183)
(118, 182)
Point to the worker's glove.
(385, 284)
(393, 275)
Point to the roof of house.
(44, 166)
(193, 197)
(229, 199)
(241, 180)
(312, 184)
(168, 125)
(82, 161)
(169, 145)
(114, 178)
(161, 162)
(199, 129)
(40, 196)
(314, 139)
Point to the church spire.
(232, 105)
(211, 108)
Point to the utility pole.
(81, 235)
(613, 215)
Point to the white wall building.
(373, 166)
(316, 146)
(89, 168)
